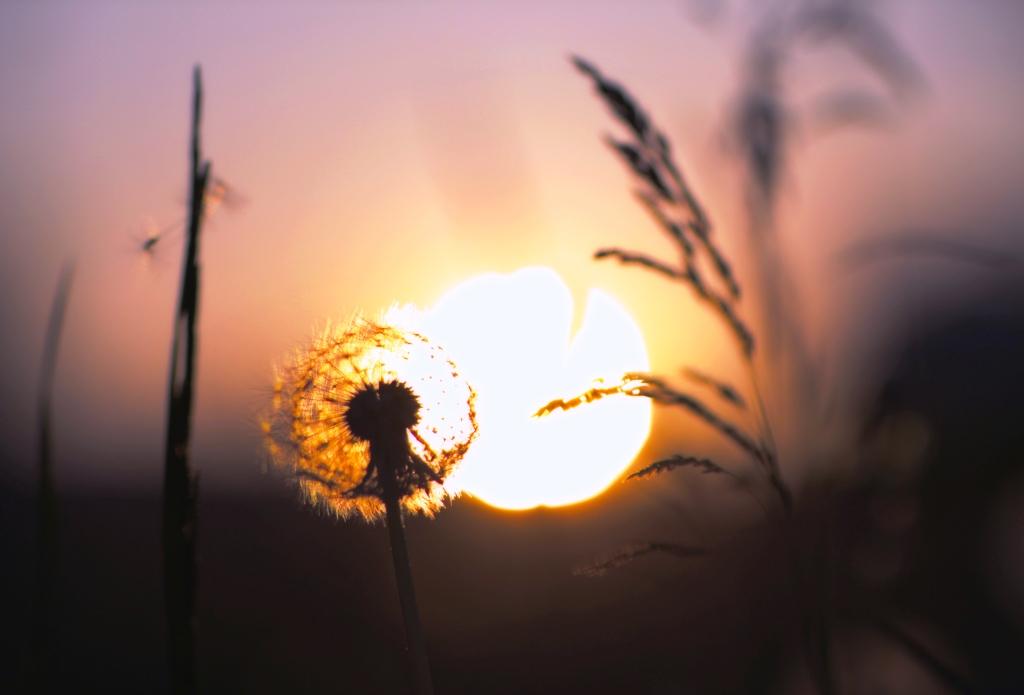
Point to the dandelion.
(369, 411)
(371, 419)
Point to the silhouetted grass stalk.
(638, 550)
(47, 542)
(180, 491)
(676, 210)
(665, 194)
(761, 121)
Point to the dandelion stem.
(407, 597)
(385, 454)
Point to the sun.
(511, 336)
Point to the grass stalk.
(953, 680)
(47, 516)
(180, 490)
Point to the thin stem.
(46, 493)
(386, 453)
(771, 460)
(180, 491)
(407, 598)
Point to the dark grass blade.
(633, 258)
(690, 276)
(678, 234)
(617, 99)
(633, 552)
(641, 166)
(704, 465)
(47, 541)
(657, 389)
(723, 389)
(180, 491)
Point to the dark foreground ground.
(293, 602)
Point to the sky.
(385, 152)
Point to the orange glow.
(511, 337)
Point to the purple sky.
(387, 151)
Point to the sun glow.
(511, 337)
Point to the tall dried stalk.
(665, 194)
(674, 208)
(180, 491)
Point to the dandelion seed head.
(360, 384)
(378, 410)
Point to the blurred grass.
(47, 510)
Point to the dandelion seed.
(149, 242)
(219, 193)
(153, 235)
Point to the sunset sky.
(386, 152)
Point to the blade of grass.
(658, 390)
(704, 465)
(655, 388)
(180, 491)
(724, 390)
(47, 541)
(632, 552)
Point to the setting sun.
(512, 337)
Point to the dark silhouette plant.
(47, 507)
(181, 484)
(370, 420)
